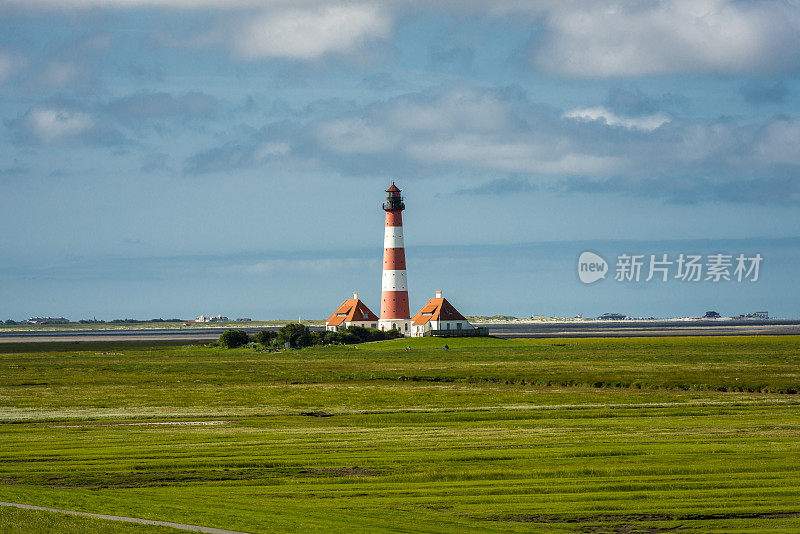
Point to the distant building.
(711, 315)
(755, 315)
(47, 320)
(437, 315)
(243, 320)
(613, 317)
(211, 319)
(352, 312)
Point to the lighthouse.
(394, 285)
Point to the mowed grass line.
(695, 434)
(17, 521)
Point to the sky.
(171, 158)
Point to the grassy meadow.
(573, 435)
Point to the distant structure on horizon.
(613, 317)
(394, 283)
(211, 319)
(46, 320)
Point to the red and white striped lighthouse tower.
(394, 286)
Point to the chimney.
(355, 295)
(439, 294)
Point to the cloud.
(379, 82)
(163, 105)
(72, 64)
(501, 186)
(637, 103)
(599, 113)
(682, 189)
(13, 171)
(312, 32)
(307, 266)
(500, 133)
(643, 38)
(227, 157)
(48, 124)
(10, 63)
(426, 133)
(56, 124)
(779, 142)
(457, 58)
(596, 39)
(758, 93)
(62, 121)
(62, 73)
(154, 163)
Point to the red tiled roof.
(351, 310)
(437, 310)
(393, 188)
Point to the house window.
(447, 327)
(373, 325)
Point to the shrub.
(234, 338)
(392, 334)
(358, 334)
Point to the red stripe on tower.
(394, 284)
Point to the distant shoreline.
(508, 329)
(479, 320)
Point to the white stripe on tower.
(394, 280)
(394, 283)
(393, 237)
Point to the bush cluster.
(298, 336)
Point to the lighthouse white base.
(402, 325)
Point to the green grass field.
(576, 435)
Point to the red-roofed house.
(352, 312)
(438, 314)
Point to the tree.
(234, 338)
(265, 337)
(318, 337)
(296, 334)
(10, 321)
